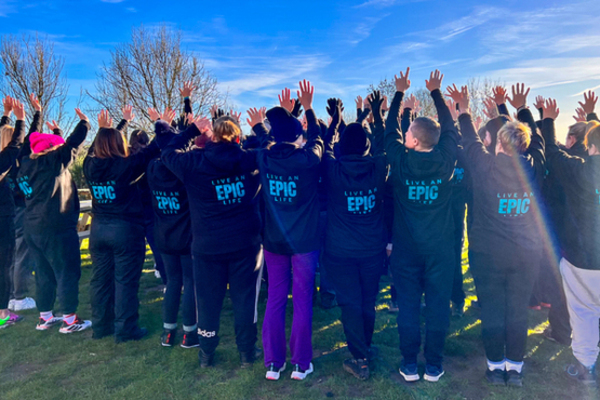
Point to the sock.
(514, 366)
(46, 315)
(494, 365)
(169, 326)
(190, 328)
(69, 319)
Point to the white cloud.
(385, 3)
(112, 1)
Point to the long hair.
(226, 129)
(6, 133)
(110, 143)
(138, 140)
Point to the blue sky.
(256, 48)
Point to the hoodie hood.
(164, 133)
(284, 126)
(354, 141)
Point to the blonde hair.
(593, 137)
(515, 138)
(226, 129)
(6, 133)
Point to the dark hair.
(593, 138)
(110, 143)
(138, 140)
(426, 130)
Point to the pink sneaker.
(10, 321)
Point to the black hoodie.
(172, 221)
(422, 183)
(506, 191)
(8, 155)
(581, 180)
(50, 193)
(290, 178)
(356, 189)
(113, 184)
(222, 184)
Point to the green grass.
(48, 365)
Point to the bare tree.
(148, 72)
(29, 65)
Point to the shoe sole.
(433, 378)
(298, 376)
(166, 345)
(409, 378)
(190, 347)
(275, 375)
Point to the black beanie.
(284, 126)
(354, 141)
(164, 133)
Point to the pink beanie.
(43, 141)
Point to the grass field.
(48, 365)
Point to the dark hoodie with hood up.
(222, 185)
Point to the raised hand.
(580, 115)
(104, 119)
(384, 106)
(35, 102)
(297, 111)
(375, 102)
(236, 115)
(499, 95)
(332, 103)
(402, 83)
(490, 109)
(550, 109)
(83, 117)
(539, 102)
(359, 102)
(128, 114)
(187, 89)
(589, 102)
(154, 115)
(478, 121)
(452, 107)
(286, 101)
(168, 115)
(7, 102)
(52, 125)
(19, 109)
(519, 96)
(435, 81)
(306, 94)
(411, 102)
(263, 112)
(367, 103)
(203, 124)
(460, 97)
(255, 117)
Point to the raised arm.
(68, 151)
(394, 140)
(448, 143)
(314, 143)
(256, 121)
(524, 115)
(175, 156)
(9, 154)
(589, 104)
(36, 125)
(499, 95)
(376, 102)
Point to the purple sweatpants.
(280, 268)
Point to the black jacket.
(580, 179)
(222, 184)
(8, 155)
(113, 184)
(422, 183)
(290, 177)
(506, 191)
(50, 193)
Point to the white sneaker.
(45, 325)
(299, 374)
(274, 373)
(156, 273)
(77, 326)
(11, 304)
(26, 304)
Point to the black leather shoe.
(206, 360)
(136, 335)
(247, 358)
(496, 377)
(514, 378)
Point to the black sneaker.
(167, 339)
(585, 375)
(496, 377)
(247, 358)
(514, 378)
(433, 373)
(458, 310)
(138, 334)
(409, 372)
(358, 368)
(206, 360)
(190, 340)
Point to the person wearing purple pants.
(289, 176)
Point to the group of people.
(385, 194)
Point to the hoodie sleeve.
(175, 156)
(503, 110)
(448, 143)
(477, 157)
(394, 140)
(9, 154)
(536, 147)
(67, 153)
(36, 126)
(405, 120)
(592, 117)
(262, 134)
(567, 169)
(140, 160)
(314, 144)
(123, 124)
(377, 145)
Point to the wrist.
(522, 107)
(6, 114)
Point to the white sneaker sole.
(83, 327)
(45, 327)
(299, 376)
(409, 378)
(274, 375)
(433, 378)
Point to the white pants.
(582, 288)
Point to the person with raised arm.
(504, 241)
(580, 265)
(422, 163)
(117, 245)
(222, 186)
(10, 146)
(355, 236)
(51, 218)
(290, 175)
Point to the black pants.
(180, 274)
(504, 282)
(211, 275)
(415, 274)
(57, 268)
(149, 232)
(356, 282)
(7, 251)
(21, 269)
(458, 211)
(117, 249)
